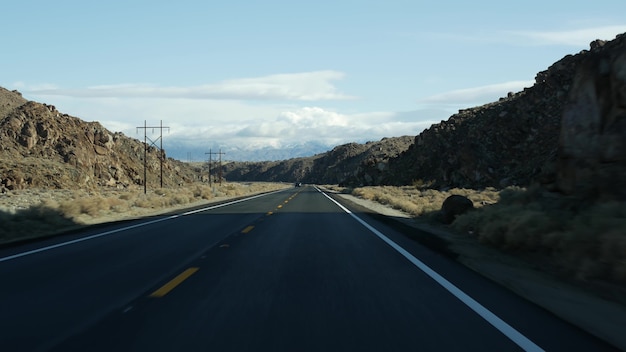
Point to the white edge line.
(171, 217)
(510, 332)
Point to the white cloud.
(576, 37)
(197, 125)
(305, 86)
(579, 37)
(476, 95)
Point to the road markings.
(522, 341)
(247, 229)
(165, 289)
(280, 206)
(270, 212)
(63, 244)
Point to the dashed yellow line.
(165, 289)
(270, 212)
(247, 229)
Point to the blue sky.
(255, 74)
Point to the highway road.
(293, 270)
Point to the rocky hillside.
(524, 137)
(513, 141)
(345, 164)
(42, 147)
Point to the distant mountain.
(185, 152)
(343, 164)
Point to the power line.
(211, 153)
(145, 150)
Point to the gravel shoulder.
(578, 306)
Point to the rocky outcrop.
(592, 146)
(514, 141)
(42, 147)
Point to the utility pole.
(211, 153)
(210, 161)
(145, 150)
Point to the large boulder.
(453, 206)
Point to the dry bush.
(128, 196)
(80, 203)
(147, 201)
(202, 192)
(587, 241)
(417, 201)
(116, 204)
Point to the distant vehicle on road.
(298, 184)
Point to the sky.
(260, 75)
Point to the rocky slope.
(569, 124)
(42, 147)
(509, 142)
(345, 164)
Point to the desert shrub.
(147, 201)
(202, 192)
(179, 199)
(420, 183)
(161, 192)
(70, 208)
(584, 240)
(407, 206)
(127, 196)
(92, 206)
(421, 202)
(365, 193)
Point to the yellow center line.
(280, 206)
(165, 289)
(270, 212)
(247, 229)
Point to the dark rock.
(453, 206)
(592, 147)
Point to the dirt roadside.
(600, 317)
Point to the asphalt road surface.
(286, 271)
